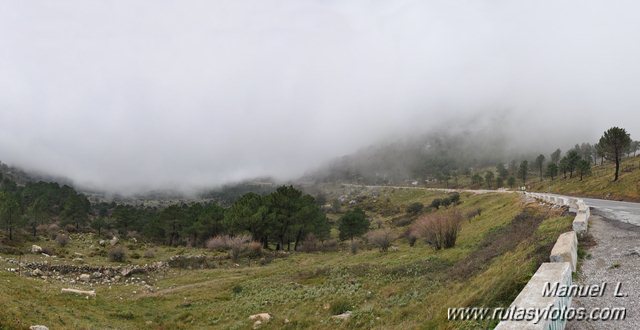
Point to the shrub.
(415, 208)
(149, 254)
(330, 245)
(473, 213)
(53, 230)
(354, 246)
(133, 235)
(117, 254)
(254, 249)
(454, 198)
(310, 244)
(401, 221)
(340, 306)
(412, 238)
(42, 229)
(234, 245)
(237, 245)
(48, 251)
(69, 228)
(445, 202)
(439, 230)
(218, 243)
(381, 239)
(237, 289)
(62, 239)
(436, 203)
(135, 255)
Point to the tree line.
(280, 219)
(614, 144)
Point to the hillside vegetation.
(599, 184)
(407, 287)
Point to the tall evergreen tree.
(614, 142)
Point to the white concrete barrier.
(564, 257)
(532, 297)
(580, 223)
(566, 249)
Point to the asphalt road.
(626, 212)
(621, 211)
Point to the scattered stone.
(257, 324)
(85, 277)
(37, 273)
(38, 327)
(265, 317)
(102, 242)
(46, 255)
(125, 272)
(633, 252)
(36, 249)
(96, 275)
(344, 316)
(114, 241)
(91, 293)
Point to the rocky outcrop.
(86, 273)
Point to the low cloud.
(144, 95)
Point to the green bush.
(117, 254)
(340, 306)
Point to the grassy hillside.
(411, 287)
(599, 184)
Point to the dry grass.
(410, 288)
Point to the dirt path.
(614, 259)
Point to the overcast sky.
(148, 94)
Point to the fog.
(129, 96)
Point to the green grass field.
(410, 288)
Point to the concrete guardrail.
(564, 258)
(531, 297)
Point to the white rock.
(37, 273)
(266, 317)
(114, 241)
(38, 327)
(36, 249)
(85, 277)
(344, 316)
(257, 324)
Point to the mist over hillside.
(189, 96)
(459, 148)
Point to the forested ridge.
(282, 217)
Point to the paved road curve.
(626, 212)
(622, 211)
